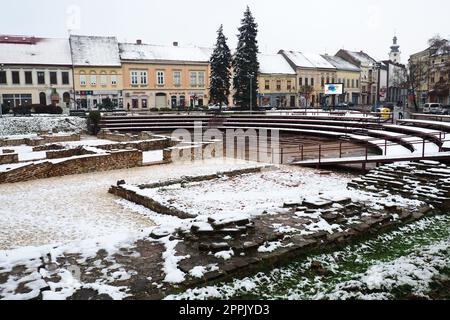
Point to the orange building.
(164, 76)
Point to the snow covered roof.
(95, 51)
(362, 57)
(148, 52)
(274, 64)
(307, 60)
(34, 51)
(340, 63)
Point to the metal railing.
(340, 149)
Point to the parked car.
(444, 110)
(431, 108)
(342, 106)
(217, 107)
(267, 107)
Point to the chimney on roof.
(175, 44)
(139, 41)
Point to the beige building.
(370, 70)
(164, 76)
(313, 72)
(35, 71)
(350, 76)
(429, 71)
(277, 82)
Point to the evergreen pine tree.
(220, 71)
(245, 63)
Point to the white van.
(431, 107)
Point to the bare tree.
(440, 65)
(416, 76)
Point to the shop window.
(135, 103)
(43, 98)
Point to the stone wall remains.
(9, 158)
(115, 160)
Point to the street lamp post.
(250, 75)
(1, 100)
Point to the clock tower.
(394, 55)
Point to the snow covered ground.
(404, 261)
(26, 153)
(152, 156)
(253, 194)
(34, 124)
(78, 207)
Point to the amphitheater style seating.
(407, 138)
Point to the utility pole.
(1, 100)
(251, 91)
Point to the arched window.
(93, 78)
(114, 78)
(66, 98)
(43, 98)
(103, 79)
(82, 78)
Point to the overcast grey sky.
(312, 26)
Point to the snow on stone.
(173, 274)
(130, 51)
(40, 51)
(25, 153)
(199, 271)
(225, 255)
(152, 156)
(274, 64)
(270, 246)
(95, 51)
(31, 125)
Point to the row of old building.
(83, 71)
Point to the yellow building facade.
(277, 82)
(94, 84)
(97, 71)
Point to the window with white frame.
(177, 78)
(82, 79)
(134, 78)
(114, 79)
(93, 78)
(160, 78)
(193, 78)
(201, 79)
(144, 78)
(103, 79)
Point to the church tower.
(394, 55)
